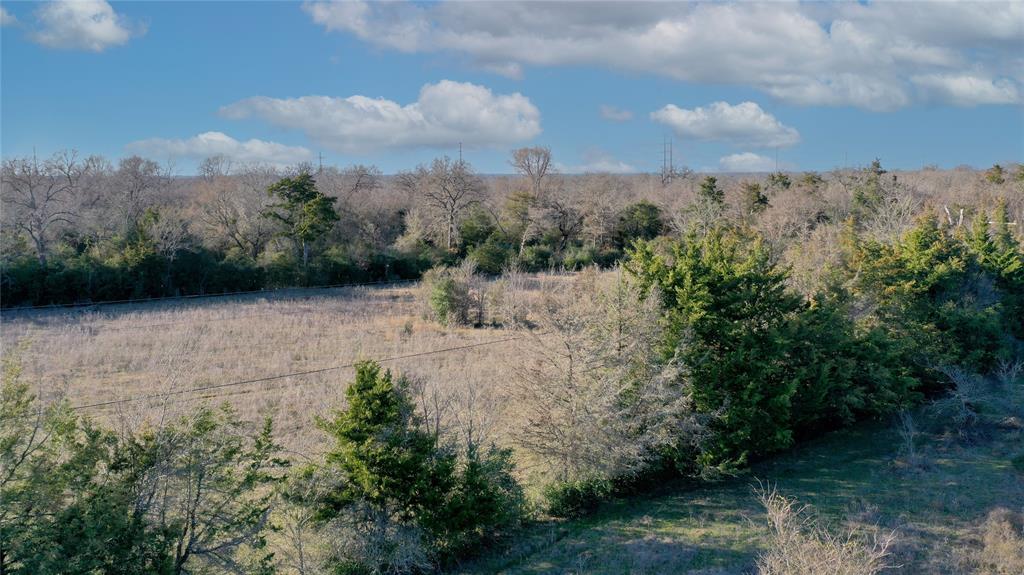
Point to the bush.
(1003, 543)
(404, 485)
(447, 300)
(191, 495)
(492, 255)
(798, 545)
(571, 499)
(639, 221)
(535, 258)
(577, 257)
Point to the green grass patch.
(852, 478)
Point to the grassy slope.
(852, 478)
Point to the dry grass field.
(159, 351)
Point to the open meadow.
(142, 362)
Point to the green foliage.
(448, 298)
(754, 200)
(996, 175)
(811, 181)
(576, 498)
(305, 211)
(779, 181)
(729, 319)
(868, 192)
(535, 258)
(476, 228)
(380, 446)
(639, 221)
(493, 255)
(710, 192)
(393, 464)
(933, 294)
(79, 499)
(843, 371)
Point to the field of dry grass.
(160, 350)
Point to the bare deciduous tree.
(232, 208)
(38, 196)
(534, 164)
(449, 187)
(136, 184)
(593, 401)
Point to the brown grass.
(129, 351)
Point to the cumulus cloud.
(843, 54)
(444, 115)
(966, 90)
(597, 161)
(82, 25)
(746, 162)
(744, 124)
(6, 18)
(613, 114)
(210, 144)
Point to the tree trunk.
(451, 231)
(41, 251)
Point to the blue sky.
(398, 84)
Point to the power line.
(280, 376)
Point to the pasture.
(143, 361)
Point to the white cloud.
(967, 90)
(843, 54)
(210, 144)
(744, 124)
(444, 115)
(82, 25)
(746, 162)
(6, 18)
(597, 161)
(613, 114)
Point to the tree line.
(83, 229)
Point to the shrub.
(535, 258)
(798, 545)
(492, 255)
(930, 293)
(577, 498)
(614, 420)
(577, 257)
(446, 300)
(402, 488)
(1003, 543)
(187, 497)
(639, 221)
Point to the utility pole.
(668, 168)
(320, 170)
(460, 152)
